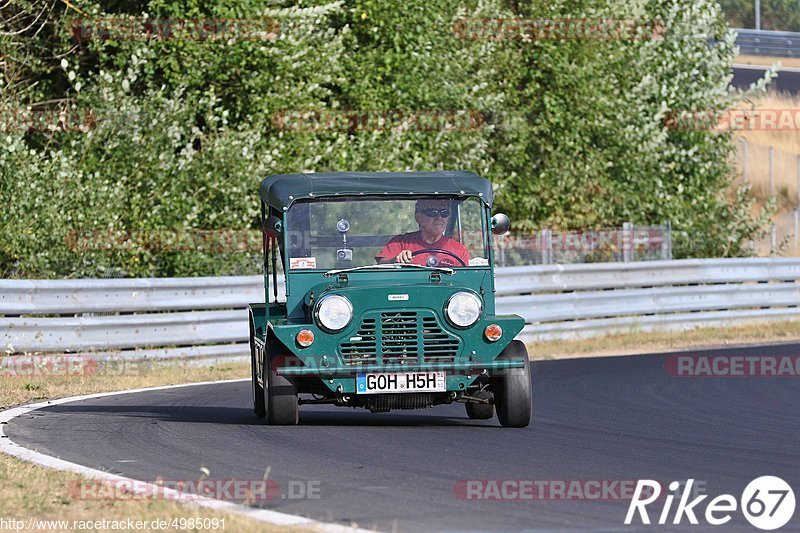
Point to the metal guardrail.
(768, 43)
(601, 276)
(164, 318)
(18, 297)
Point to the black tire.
(280, 395)
(259, 407)
(480, 411)
(513, 398)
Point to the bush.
(181, 132)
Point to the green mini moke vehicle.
(386, 299)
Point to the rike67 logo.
(767, 503)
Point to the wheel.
(259, 407)
(513, 398)
(480, 411)
(280, 395)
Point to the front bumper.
(351, 370)
(325, 361)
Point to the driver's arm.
(404, 256)
(394, 252)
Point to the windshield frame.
(484, 224)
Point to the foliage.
(181, 131)
(600, 152)
(781, 15)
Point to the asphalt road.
(622, 418)
(787, 80)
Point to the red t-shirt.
(414, 242)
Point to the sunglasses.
(431, 212)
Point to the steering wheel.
(438, 251)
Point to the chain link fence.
(549, 246)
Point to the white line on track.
(261, 515)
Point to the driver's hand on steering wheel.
(403, 257)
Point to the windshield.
(340, 233)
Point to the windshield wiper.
(388, 266)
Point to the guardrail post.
(773, 239)
(666, 241)
(796, 216)
(798, 181)
(627, 242)
(547, 246)
(744, 161)
(771, 172)
(758, 14)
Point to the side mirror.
(500, 223)
(273, 226)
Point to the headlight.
(463, 309)
(334, 312)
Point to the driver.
(432, 217)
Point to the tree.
(601, 150)
(781, 15)
(176, 133)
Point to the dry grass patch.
(641, 343)
(763, 61)
(32, 492)
(18, 388)
(786, 144)
(786, 162)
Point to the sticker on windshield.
(478, 261)
(296, 263)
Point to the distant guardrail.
(768, 43)
(177, 317)
(568, 301)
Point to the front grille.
(402, 336)
(399, 337)
(438, 345)
(361, 348)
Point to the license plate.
(378, 382)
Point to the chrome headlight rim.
(477, 316)
(318, 307)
